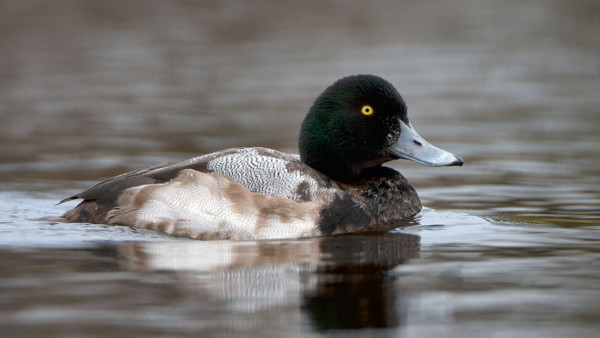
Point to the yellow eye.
(367, 110)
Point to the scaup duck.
(337, 183)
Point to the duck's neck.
(346, 171)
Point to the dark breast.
(380, 202)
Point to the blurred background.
(91, 89)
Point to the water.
(508, 245)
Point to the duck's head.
(357, 124)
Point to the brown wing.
(102, 197)
(260, 170)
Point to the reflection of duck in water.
(336, 185)
(334, 282)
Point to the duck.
(337, 184)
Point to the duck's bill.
(412, 146)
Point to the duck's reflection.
(335, 282)
(354, 289)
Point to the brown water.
(508, 246)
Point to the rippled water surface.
(507, 246)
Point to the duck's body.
(246, 193)
(336, 185)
